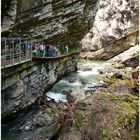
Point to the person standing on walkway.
(42, 50)
(33, 49)
(62, 48)
(66, 49)
(47, 47)
(54, 51)
(50, 51)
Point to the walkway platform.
(16, 51)
(54, 58)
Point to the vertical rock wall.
(98, 23)
(9, 12)
(116, 21)
(53, 21)
(23, 84)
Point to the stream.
(81, 82)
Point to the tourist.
(58, 50)
(47, 50)
(66, 49)
(34, 49)
(54, 51)
(42, 50)
(37, 46)
(34, 52)
(62, 48)
(29, 44)
(50, 51)
(23, 47)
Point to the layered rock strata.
(23, 84)
(53, 21)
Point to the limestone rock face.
(114, 21)
(23, 84)
(9, 17)
(77, 94)
(109, 26)
(129, 58)
(52, 20)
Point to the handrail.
(15, 51)
(12, 52)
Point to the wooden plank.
(53, 58)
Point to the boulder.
(129, 58)
(76, 94)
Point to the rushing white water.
(57, 96)
(73, 84)
(87, 73)
(86, 78)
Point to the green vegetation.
(78, 120)
(110, 116)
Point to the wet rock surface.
(101, 116)
(111, 111)
(38, 123)
(108, 111)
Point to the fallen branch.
(63, 111)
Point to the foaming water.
(85, 78)
(87, 73)
(57, 96)
(74, 83)
(65, 84)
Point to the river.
(85, 78)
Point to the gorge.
(101, 79)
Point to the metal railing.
(15, 51)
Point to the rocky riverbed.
(111, 112)
(75, 87)
(106, 101)
(105, 96)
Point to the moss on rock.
(107, 115)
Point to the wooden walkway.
(54, 58)
(13, 54)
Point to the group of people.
(42, 50)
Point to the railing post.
(26, 50)
(13, 48)
(5, 52)
(11, 53)
(10, 46)
(19, 47)
(31, 49)
(3, 56)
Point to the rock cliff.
(23, 84)
(114, 30)
(53, 21)
(109, 27)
